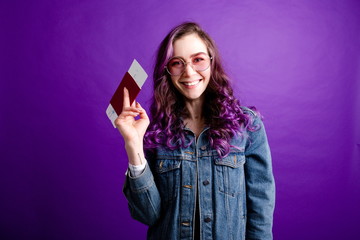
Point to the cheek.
(174, 80)
(206, 75)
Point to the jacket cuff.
(136, 170)
(141, 182)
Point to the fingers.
(143, 113)
(134, 110)
(133, 104)
(128, 116)
(130, 111)
(126, 101)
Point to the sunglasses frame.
(186, 63)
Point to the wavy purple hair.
(222, 110)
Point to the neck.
(195, 120)
(195, 109)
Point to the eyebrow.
(192, 55)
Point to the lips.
(193, 83)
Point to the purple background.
(62, 163)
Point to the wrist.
(133, 147)
(135, 154)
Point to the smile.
(191, 83)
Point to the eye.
(176, 63)
(198, 60)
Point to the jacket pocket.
(230, 173)
(168, 177)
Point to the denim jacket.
(236, 194)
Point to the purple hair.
(222, 110)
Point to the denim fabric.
(236, 194)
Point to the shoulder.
(254, 130)
(250, 111)
(253, 119)
(252, 114)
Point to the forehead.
(188, 45)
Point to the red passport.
(133, 80)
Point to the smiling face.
(191, 83)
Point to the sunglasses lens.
(176, 66)
(200, 62)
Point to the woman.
(207, 172)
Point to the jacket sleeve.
(260, 184)
(143, 197)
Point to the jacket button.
(206, 182)
(207, 220)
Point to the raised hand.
(132, 130)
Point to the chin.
(193, 97)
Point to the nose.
(189, 69)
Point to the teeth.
(192, 83)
